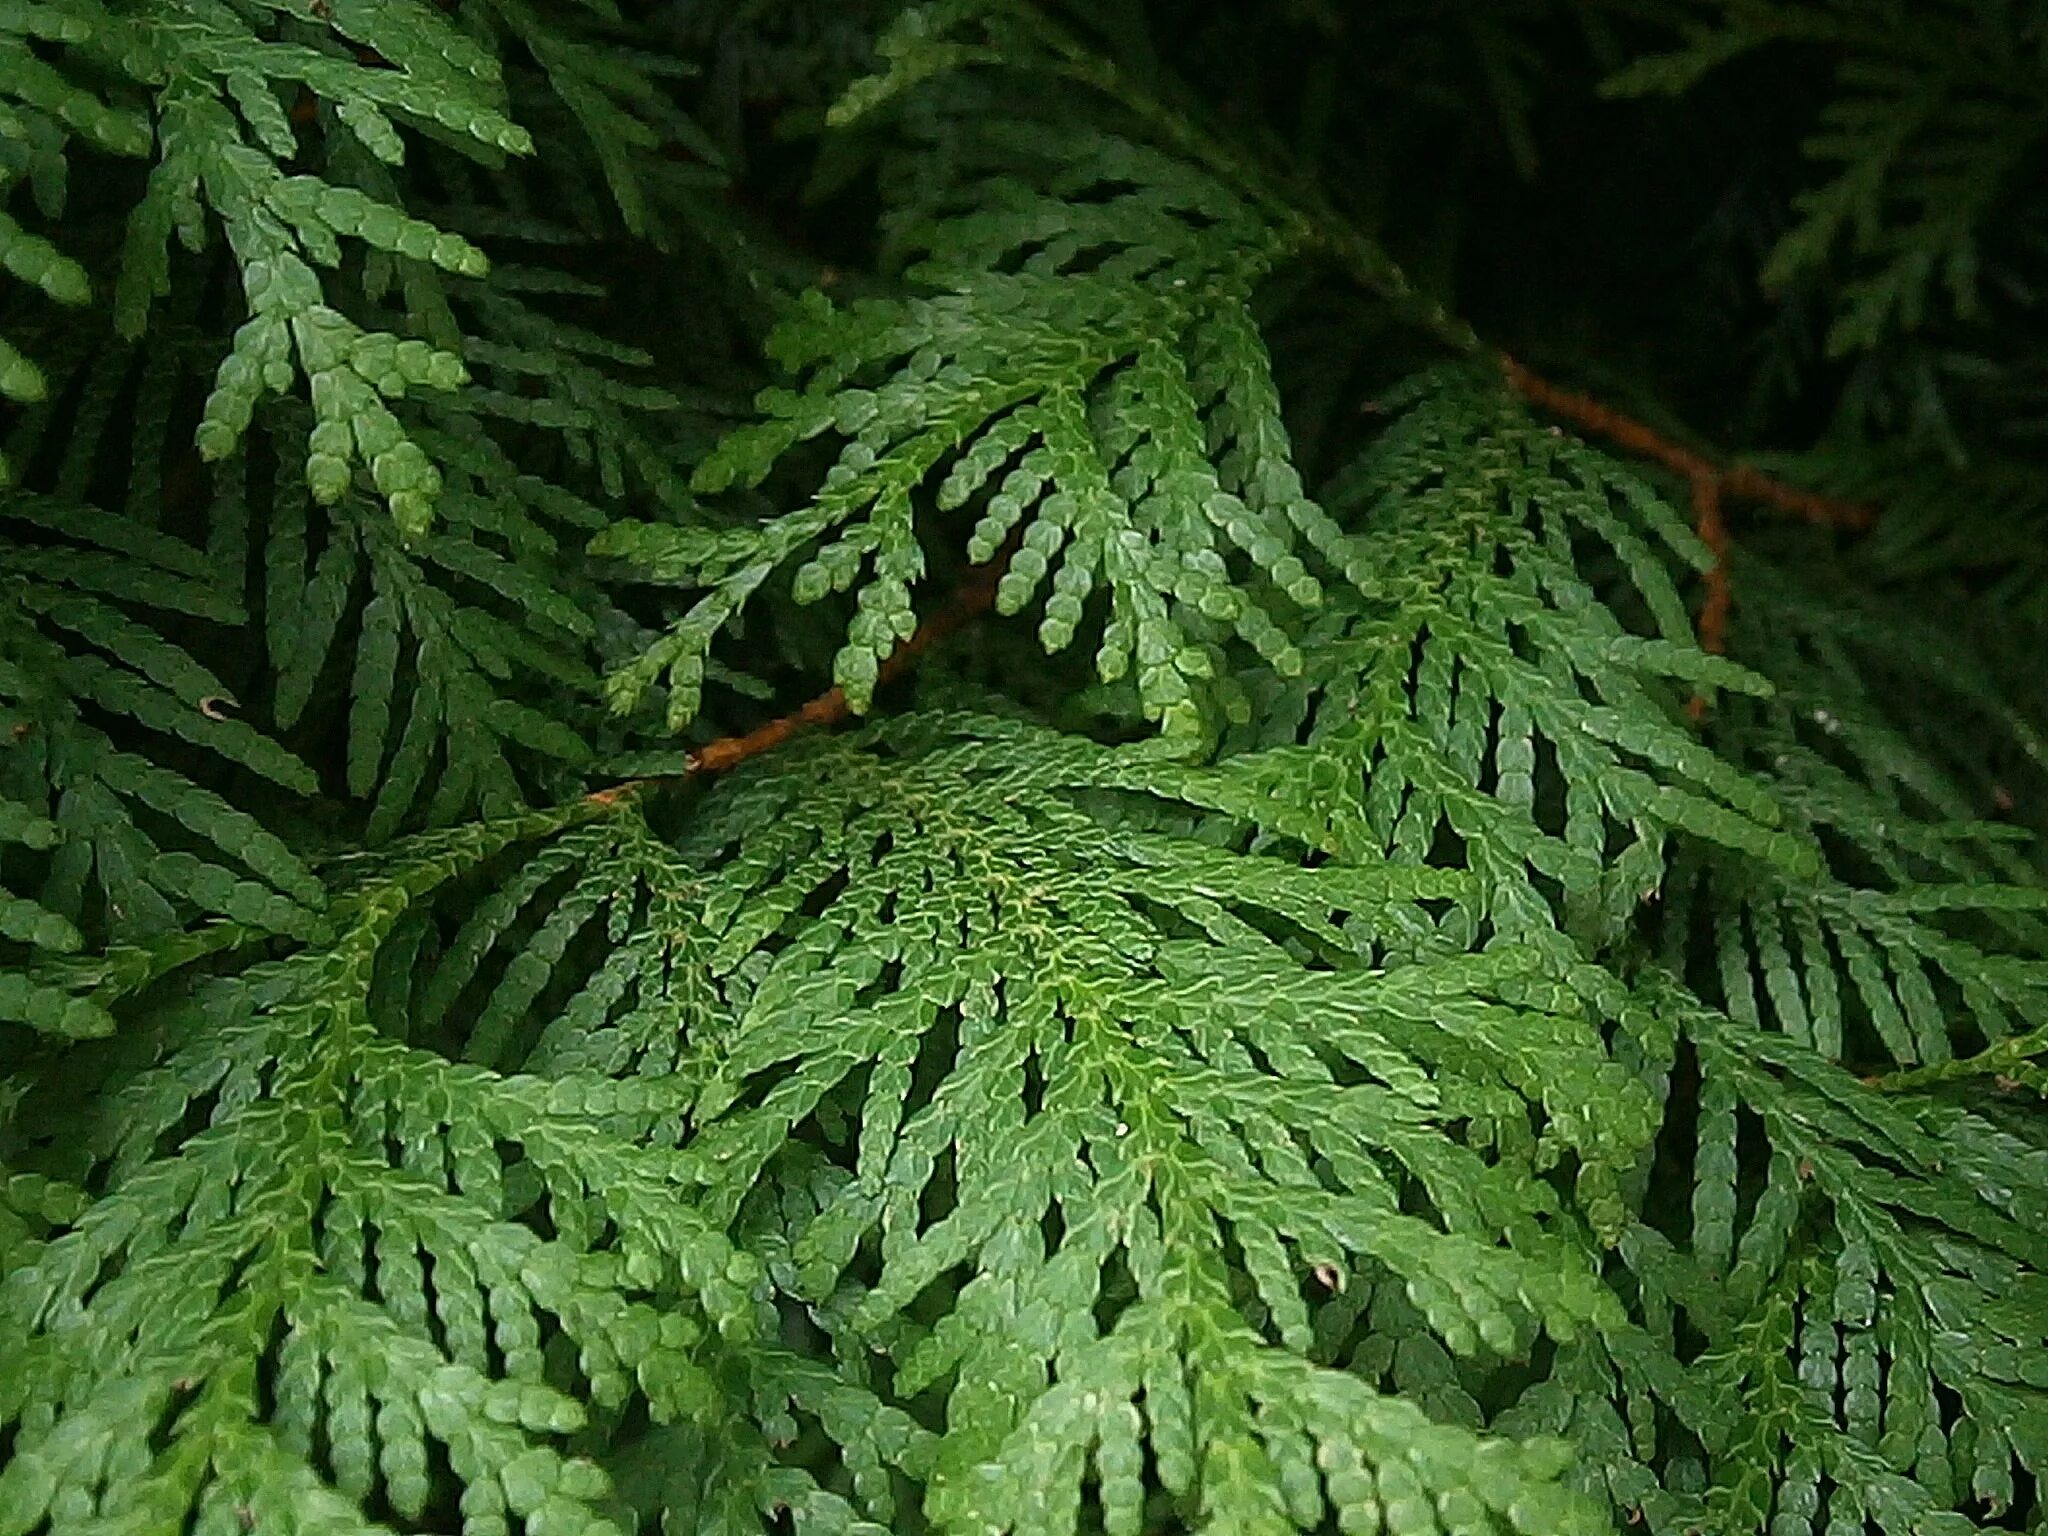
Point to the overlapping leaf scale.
(1921, 939)
(1088, 382)
(1870, 1303)
(1928, 125)
(610, 908)
(100, 838)
(467, 668)
(464, 687)
(1481, 701)
(472, 672)
(1105, 1110)
(44, 107)
(225, 140)
(316, 1267)
(229, 97)
(443, 677)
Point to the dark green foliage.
(1327, 1010)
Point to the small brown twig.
(975, 595)
(1710, 484)
(1646, 442)
(1713, 531)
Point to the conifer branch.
(1384, 1071)
(1739, 480)
(974, 596)
(1708, 482)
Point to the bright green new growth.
(1359, 1048)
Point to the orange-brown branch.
(1713, 532)
(1739, 480)
(1709, 482)
(1718, 597)
(975, 595)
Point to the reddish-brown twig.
(1710, 483)
(1718, 596)
(1646, 442)
(975, 595)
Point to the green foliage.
(433, 669)
(1347, 1017)
(1940, 108)
(1481, 648)
(1911, 240)
(1088, 379)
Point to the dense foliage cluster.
(1449, 955)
